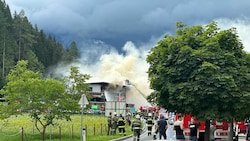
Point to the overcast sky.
(104, 28)
(114, 22)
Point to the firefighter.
(114, 123)
(136, 128)
(149, 123)
(155, 127)
(121, 125)
(155, 133)
(109, 120)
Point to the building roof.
(101, 83)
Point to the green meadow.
(21, 128)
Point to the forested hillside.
(20, 40)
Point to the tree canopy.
(76, 83)
(45, 100)
(20, 40)
(202, 71)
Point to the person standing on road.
(156, 129)
(212, 130)
(136, 128)
(248, 129)
(129, 118)
(121, 125)
(178, 127)
(162, 127)
(248, 132)
(149, 123)
(194, 130)
(109, 120)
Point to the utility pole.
(83, 102)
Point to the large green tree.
(202, 71)
(19, 40)
(76, 83)
(46, 100)
(7, 42)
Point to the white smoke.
(114, 67)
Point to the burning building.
(114, 97)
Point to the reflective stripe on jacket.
(121, 122)
(136, 124)
(150, 122)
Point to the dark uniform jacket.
(136, 125)
(109, 120)
(150, 122)
(121, 122)
(114, 121)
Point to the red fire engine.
(221, 128)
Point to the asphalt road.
(144, 136)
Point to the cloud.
(114, 36)
(242, 26)
(116, 22)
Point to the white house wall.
(133, 95)
(96, 88)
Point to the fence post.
(101, 128)
(86, 129)
(72, 131)
(50, 132)
(60, 133)
(94, 129)
(84, 134)
(22, 134)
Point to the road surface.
(144, 136)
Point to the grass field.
(21, 128)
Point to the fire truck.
(221, 128)
(155, 110)
(144, 110)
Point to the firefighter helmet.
(137, 116)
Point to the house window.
(90, 89)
